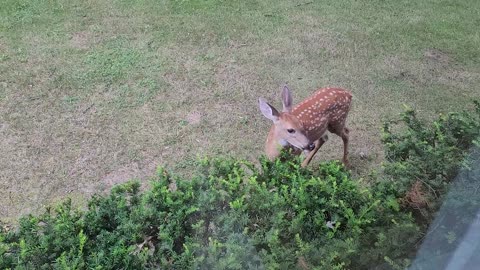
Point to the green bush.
(231, 215)
(422, 162)
(427, 158)
(234, 215)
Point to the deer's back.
(326, 107)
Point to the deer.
(303, 128)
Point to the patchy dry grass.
(93, 93)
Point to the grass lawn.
(93, 93)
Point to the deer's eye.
(291, 130)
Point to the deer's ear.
(287, 99)
(268, 110)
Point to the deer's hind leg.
(343, 132)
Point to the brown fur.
(326, 109)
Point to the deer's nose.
(310, 147)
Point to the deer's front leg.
(318, 144)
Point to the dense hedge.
(234, 215)
(436, 165)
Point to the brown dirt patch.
(194, 118)
(437, 56)
(122, 175)
(138, 170)
(80, 40)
